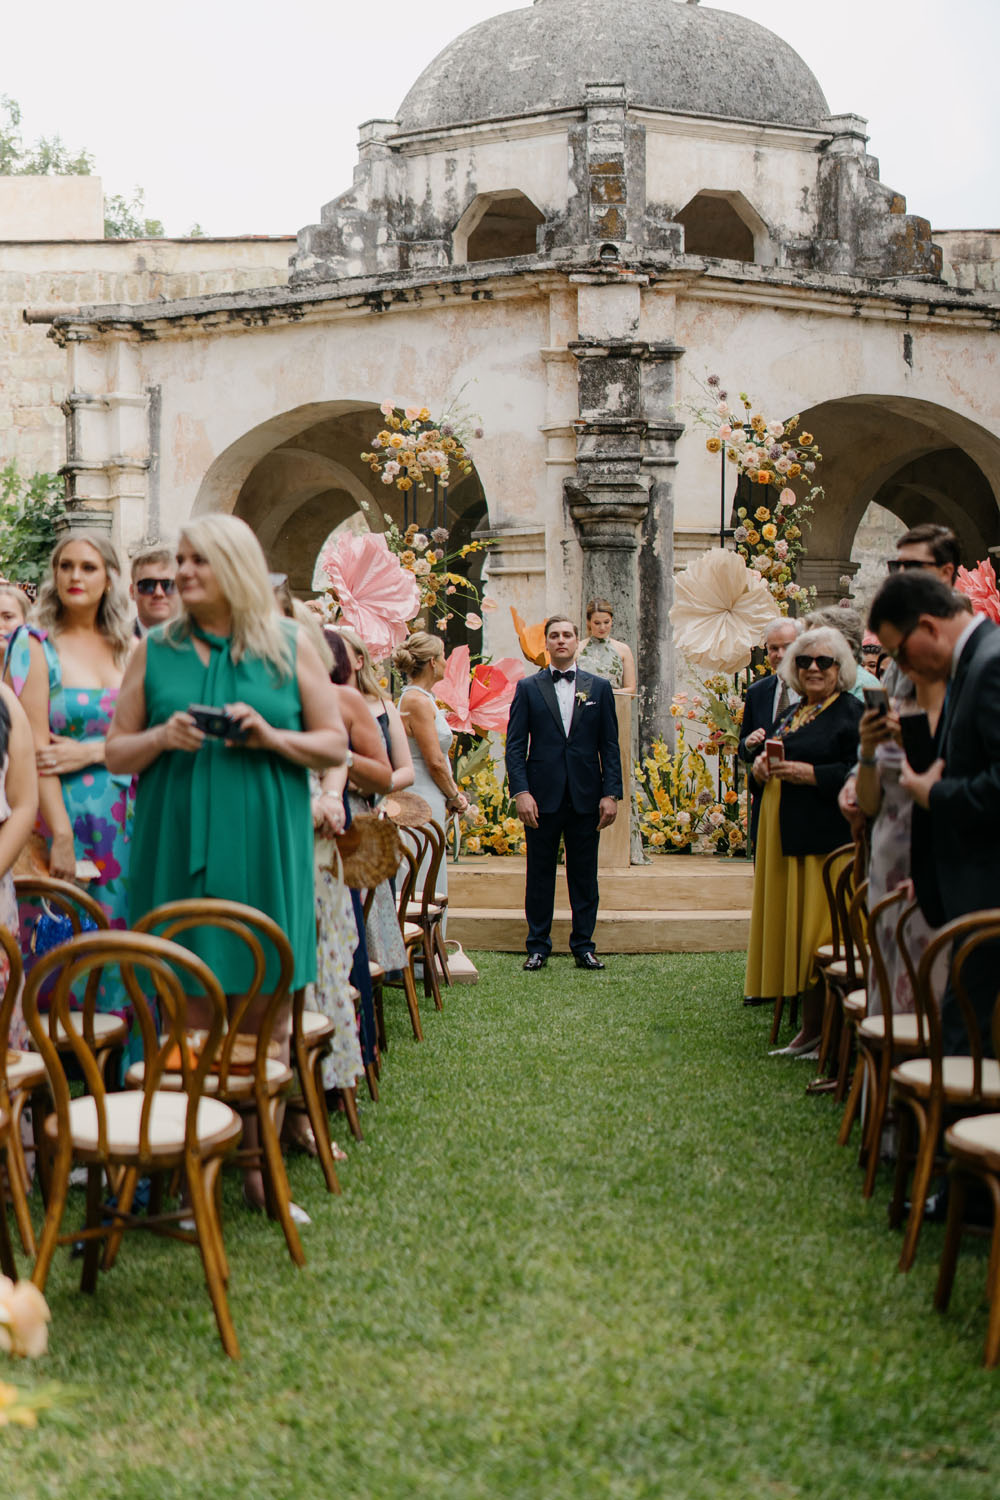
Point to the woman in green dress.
(217, 817)
(602, 655)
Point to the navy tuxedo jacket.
(545, 761)
(965, 803)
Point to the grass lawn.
(595, 1243)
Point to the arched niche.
(724, 224)
(496, 226)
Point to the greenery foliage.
(125, 218)
(29, 511)
(595, 1245)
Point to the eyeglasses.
(823, 662)
(150, 585)
(897, 653)
(906, 564)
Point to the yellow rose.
(762, 513)
(793, 532)
(769, 532)
(713, 445)
(473, 844)
(658, 839)
(763, 476)
(395, 441)
(806, 439)
(404, 484)
(753, 537)
(794, 471)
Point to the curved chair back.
(878, 972)
(253, 928)
(833, 866)
(67, 899)
(966, 936)
(86, 957)
(12, 988)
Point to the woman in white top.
(421, 661)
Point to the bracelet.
(867, 760)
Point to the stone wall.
(41, 278)
(971, 258)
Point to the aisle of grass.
(595, 1244)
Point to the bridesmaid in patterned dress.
(67, 669)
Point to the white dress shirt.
(960, 644)
(565, 693)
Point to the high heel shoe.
(297, 1214)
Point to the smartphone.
(774, 750)
(876, 698)
(215, 723)
(918, 743)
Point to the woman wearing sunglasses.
(800, 823)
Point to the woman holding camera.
(800, 823)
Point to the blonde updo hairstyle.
(417, 652)
(17, 596)
(236, 558)
(112, 612)
(367, 677)
(823, 640)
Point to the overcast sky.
(243, 117)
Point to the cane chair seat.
(316, 1027)
(977, 1136)
(855, 1004)
(905, 1031)
(25, 1070)
(109, 1031)
(826, 953)
(957, 1078)
(216, 1125)
(238, 1085)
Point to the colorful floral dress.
(100, 805)
(337, 935)
(18, 1038)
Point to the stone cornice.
(397, 292)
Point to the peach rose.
(24, 1317)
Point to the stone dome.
(682, 57)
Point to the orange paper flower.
(532, 639)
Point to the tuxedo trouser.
(579, 832)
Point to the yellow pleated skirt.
(790, 917)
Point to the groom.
(565, 776)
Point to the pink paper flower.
(980, 585)
(480, 700)
(377, 595)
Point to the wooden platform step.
(711, 930)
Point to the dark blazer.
(543, 760)
(809, 818)
(965, 803)
(758, 713)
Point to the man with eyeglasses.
(153, 587)
(927, 630)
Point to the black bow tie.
(562, 676)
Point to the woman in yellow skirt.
(800, 824)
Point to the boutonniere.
(581, 697)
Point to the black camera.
(215, 723)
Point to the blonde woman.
(14, 605)
(67, 668)
(227, 815)
(386, 713)
(421, 661)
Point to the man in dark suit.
(565, 776)
(926, 629)
(766, 701)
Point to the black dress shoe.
(534, 962)
(588, 961)
(756, 1000)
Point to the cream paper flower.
(24, 1315)
(721, 611)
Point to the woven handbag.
(370, 850)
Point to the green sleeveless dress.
(225, 821)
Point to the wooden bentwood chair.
(22, 1077)
(138, 1131)
(255, 1086)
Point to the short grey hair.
(780, 623)
(821, 640)
(843, 618)
(160, 553)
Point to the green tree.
(30, 509)
(125, 219)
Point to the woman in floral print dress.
(66, 669)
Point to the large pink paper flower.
(981, 587)
(482, 701)
(377, 594)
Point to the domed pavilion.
(581, 209)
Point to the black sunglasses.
(823, 662)
(906, 564)
(150, 585)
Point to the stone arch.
(497, 225)
(299, 475)
(915, 460)
(725, 225)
